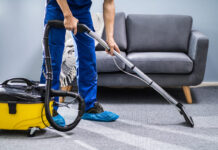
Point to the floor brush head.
(188, 119)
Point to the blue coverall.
(85, 51)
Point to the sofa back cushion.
(169, 33)
(119, 32)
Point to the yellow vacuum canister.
(15, 116)
(22, 106)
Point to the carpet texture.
(146, 121)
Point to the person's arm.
(109, 15)
(70, 22)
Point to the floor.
(146, 122)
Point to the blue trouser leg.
(86, 69)
(56, 46)
(86, 60)
(86, 64)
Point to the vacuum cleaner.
(28, 105)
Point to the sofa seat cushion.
(105, 62)
(161, 62)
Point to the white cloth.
(68, 67)
(98, 23)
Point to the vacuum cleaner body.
(22, 105)
(28, 105)
(27, 116)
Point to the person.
(72, 12)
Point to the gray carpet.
(146, 121)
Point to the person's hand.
(70, 23)
(113, 46)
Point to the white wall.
(21, 30)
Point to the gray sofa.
(163, 46)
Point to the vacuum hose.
(49, 76)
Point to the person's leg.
(86, 69)
(87, 74)
(56, 47)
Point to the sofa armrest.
(198, 48)
(198, 45)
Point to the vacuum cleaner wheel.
(31, 132)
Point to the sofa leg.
(187, 92)
(66, 88)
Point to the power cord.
(130, 74)
(42, 118)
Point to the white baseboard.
(203, 84)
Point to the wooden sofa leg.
(186, 90)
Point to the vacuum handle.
(28, 82)
(81, 28)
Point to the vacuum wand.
(81, 28)
(147, 80)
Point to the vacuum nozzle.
(187, 118)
